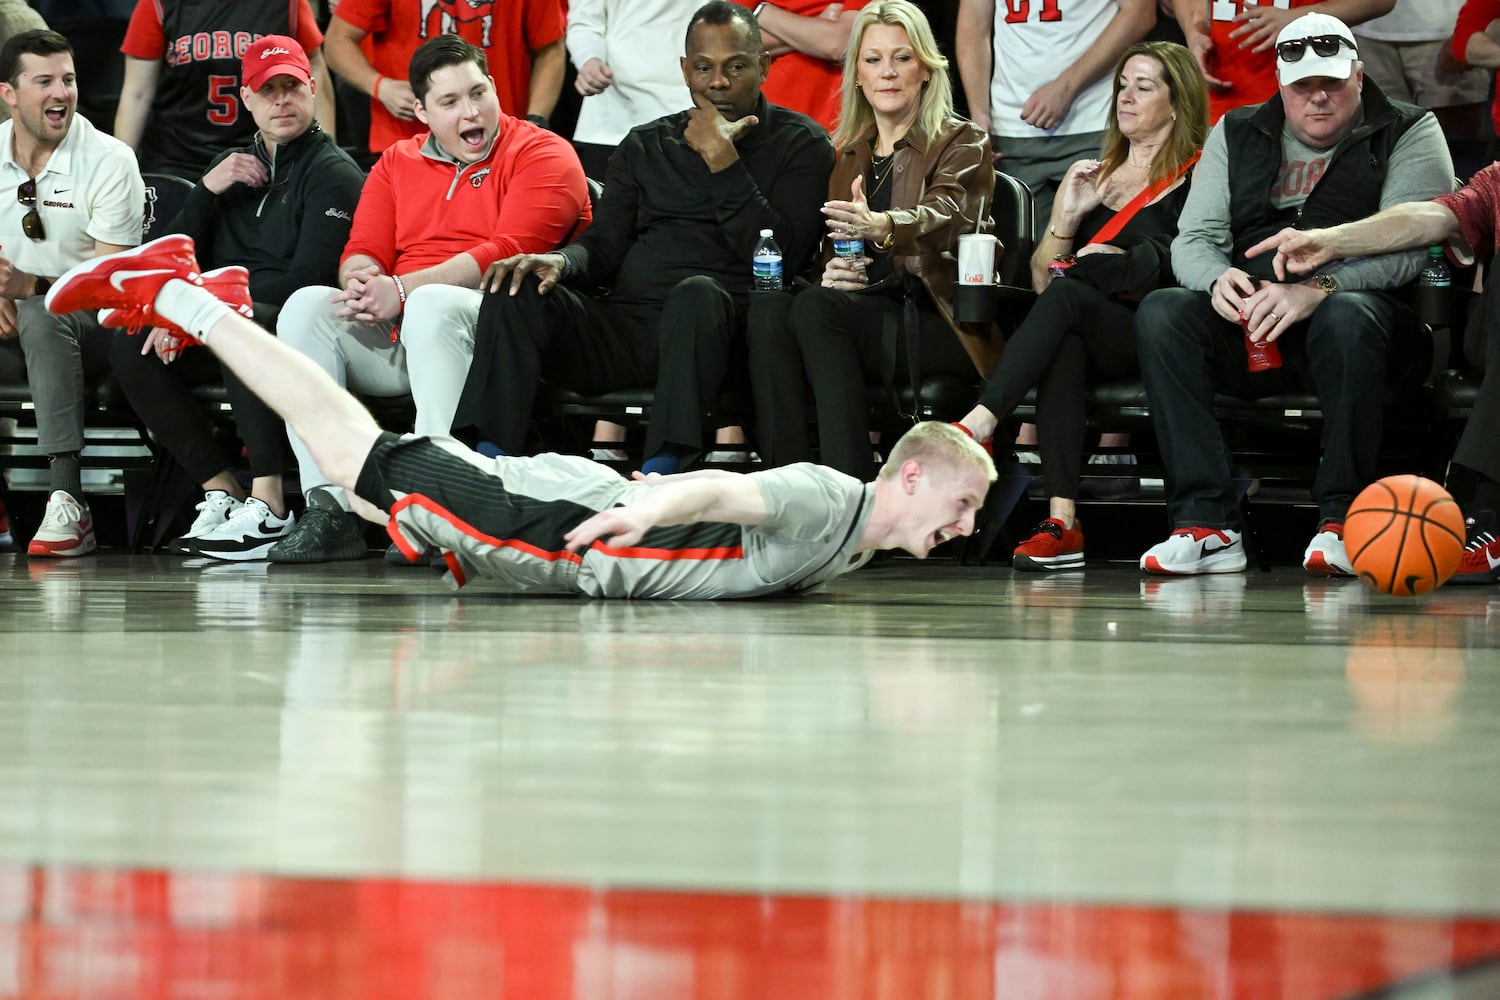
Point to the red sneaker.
(1050, 547)
(231, 285)
(124, 280)
(1481, 562)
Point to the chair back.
(1015, 222)
(165, 196)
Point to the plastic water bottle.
(850, 248)
(1433, 299)
(1435, 274)
(767, 264)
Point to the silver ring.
(1274, 317)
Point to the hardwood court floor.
(929, 781)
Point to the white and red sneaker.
(67, 528)
(230, 285)
(1481, 561)
(1196, 550)
(1325, 554)
(129, 279)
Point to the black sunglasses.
(1322, 46)
(31, 222)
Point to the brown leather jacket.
(940, 183)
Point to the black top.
(1156, 219)
(664, 217)
(289, 233)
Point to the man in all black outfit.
(685, 199)
(280, 208)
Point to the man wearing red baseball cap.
(270, 246)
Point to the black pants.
(683, 347)
(839, 343)
(1344, 352)
(1074, 335)
(162, 397)
(1477, 445)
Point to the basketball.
(1404, 535)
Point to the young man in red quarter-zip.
(436, 211)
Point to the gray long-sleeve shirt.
(1420, 170)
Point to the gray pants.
(430, 361)
(52, 354)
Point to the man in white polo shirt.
(78, 194)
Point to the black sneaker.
(432, 557)
(326, 533)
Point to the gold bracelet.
(890, 237)
(1058, 235)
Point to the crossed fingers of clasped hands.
(368, 297)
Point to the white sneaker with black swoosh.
(1196, 550)
(249, 533)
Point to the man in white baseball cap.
(1327, 148)
(1315, 45)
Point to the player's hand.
(10, 327)
(237, 168)
(548, 268)
(167, 345)
(397, 97)
(1273, 309)
(621, 526)
(1446, 69)
(594, 77)
(712, 136)
(1048, 105)
(1229, 292)
(1298, 251)
(846, 275)
(1259, 24)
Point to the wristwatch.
(40, 285)
(1325, 282)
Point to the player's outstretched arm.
(732, 499)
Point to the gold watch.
(1325, 282)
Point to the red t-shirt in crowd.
(802, 82)
(508, 31)
(1252, 75)
(1473, 17)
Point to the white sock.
(193, 308)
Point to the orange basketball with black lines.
(1404, 535)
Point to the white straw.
(979, 219)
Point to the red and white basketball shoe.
(231, 285)
(129, 279)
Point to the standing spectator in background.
(16, 16)
(1476, 42)
(1039, 82)
(626, 76)
(1234, 41)
(522, 41)
(806, 40)
(78, 195)
(280, 208)
(180, 104)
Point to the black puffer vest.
(1349, 188)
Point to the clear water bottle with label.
(851, 248)
(767, 264)
(1433, 301)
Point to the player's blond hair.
(933, 442)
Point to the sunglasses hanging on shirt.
(31, 222)
(1323, 46)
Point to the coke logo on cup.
(974, 279)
